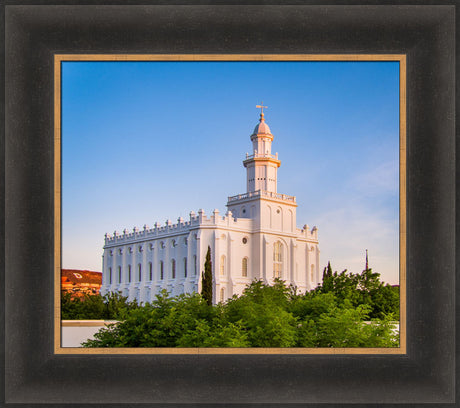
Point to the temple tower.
(261, 166)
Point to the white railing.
(262, 193)
(256, 155)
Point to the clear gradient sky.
(150, 141)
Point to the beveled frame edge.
(401, 58)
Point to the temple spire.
(262, 165)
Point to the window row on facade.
(173, 270)
(161, 267)
(278, 266)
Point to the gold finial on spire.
(261, 107)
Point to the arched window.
(173, 268)
(119, 274)
(150, 271)
(194, 265)
(244, 267)
(139, 269)
(129, 273)
(110, 276)
(185, 267)
(277, 259)
(222, 294)
(312, 272)
(222, 265)
(162, 271)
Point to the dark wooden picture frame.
(35, 374)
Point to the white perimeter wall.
(75, 332)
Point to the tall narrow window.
(222, 265)
(139, 267)
(312, 273)
(194, 264)
(150, 271)
(173, 268)
(119, 274)
(185, 267)
(110, 276)
(244, 267)
(222, 294)
(162, 270)
(277, 259)
(129, 273)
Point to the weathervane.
(261, 107)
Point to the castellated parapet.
(181, 227)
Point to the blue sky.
(150, 141)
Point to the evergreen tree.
(328, 284)
(206, 279)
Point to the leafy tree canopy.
(362, 289)
(263, 316)
(108, 307)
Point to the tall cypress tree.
(206, 279)
(327, 285)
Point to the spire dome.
(262, 127)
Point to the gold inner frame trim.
(401, 58)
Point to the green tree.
(161, 323)
(312, 305)
(385, 301)
(215, 334)
(206, 278)
(108, 307)
(327, 285)
(350, 327)
(361, 289)
(263, 316)
(262, 311)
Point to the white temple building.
(257, 238)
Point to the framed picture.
(36, 372)
(166, 153)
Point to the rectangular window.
(277, 260)
(222, 265)
(244, 267)
(150, 271)
(185, 267)
(276, 270)
(110, 275)
(129, 273)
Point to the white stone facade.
(256, 239)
